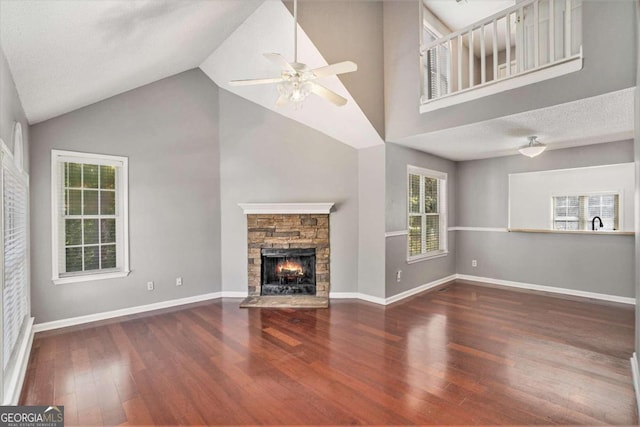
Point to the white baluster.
(508, 23)
(536, 35)
(552, 23)
(495, 49)
(450, 66)
(483, 59)
(471, 61)
(567, 29)
(460, 62)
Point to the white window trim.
(424, 97)
(619, 193)
(442, 203)
(56, 156)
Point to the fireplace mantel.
(285, 208)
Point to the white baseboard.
(417, 290)
(63, 323)
(234, 294)
(551, 289)
(394, 298)
(15, 380)
(356, 295)
(344, 295)
(636, 379)
(373, 299)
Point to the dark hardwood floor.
(465, 354)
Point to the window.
(15, 196)
(427, 214)
(89, 204)
(435, 66)
(577, 212)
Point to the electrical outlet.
(178, 281)
(474, 263)
(150, 286)
(399, 276)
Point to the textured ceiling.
(270, 29)
(603, 118)
(68, 54)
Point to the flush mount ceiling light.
(534, 148)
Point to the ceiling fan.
(296, 80)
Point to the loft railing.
(530, 36)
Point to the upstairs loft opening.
(531, 41)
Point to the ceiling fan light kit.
(534, 148)
(297, 81)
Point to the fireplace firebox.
(288, 271)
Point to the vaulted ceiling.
(66, 54)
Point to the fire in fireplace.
(288, 271)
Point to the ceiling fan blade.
(337, 68)
(280, 61)
(327, 94)
(250, 82)
(282, 101)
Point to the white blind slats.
(437, 66)
(425, 211)
(15, 195)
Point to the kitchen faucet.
(593, 223)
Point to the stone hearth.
(276, 228)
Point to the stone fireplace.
(288, 249)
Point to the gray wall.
(11, 110)
(371, 221)
(265, 157)
(397, 159)
(610, 23)
(350, 30)
(637, 160)
(601, 264)
(169, 132)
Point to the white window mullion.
(89, 268)
(423, 219)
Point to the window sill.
(603, 232)
(426, 257)
(89, 277)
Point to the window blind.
(577, 212)
(426, 218)
(15, 196)
(436, 72)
